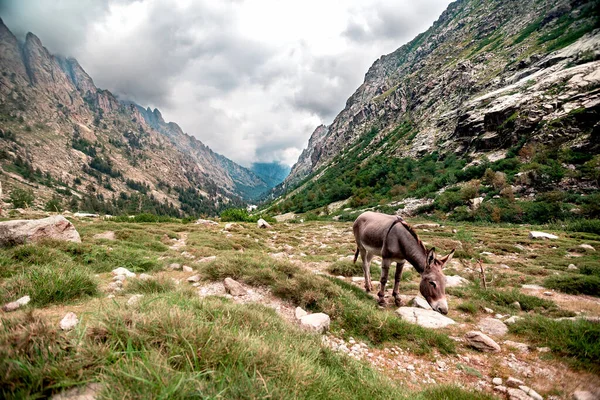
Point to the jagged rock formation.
(61, 135)
(484, 77)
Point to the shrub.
(574, 284)
(54, 205)
(21, 198)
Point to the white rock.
(514, 382)
(481, 341)
(261, 223)
(500, 388)
(69, 321)
(532, 287)
(497, 381)
(572, 266)
(420, 303)
(175, 266)
(299, 312)
(424, 318)
(23, 300)
(145, 277)
(455, 280)
(123, 271)
(234, 287)
(358, 279)
(119, 278)
(318, 322)
(32, 231)
(587, 247)
(548, 294)
(88, 392)
(522, 347)
(187, 269)
(14, 305)
(541, 235)
(230, 226)
(194, 278)
(584, 395)
(517, 394)
(205, 222)
(512, 320)
(503, 266)
(207, 259)
(133, 300)
(492, 326)
(488, 310)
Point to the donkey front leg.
(366, 260)
(385, 270)
(397, 279)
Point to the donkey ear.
(430, 256)
(447, 258)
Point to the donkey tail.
(356, 255)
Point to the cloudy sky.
(250, 78)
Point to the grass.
(574, 284)
(578, 342)
(349, 307)
(150, 286)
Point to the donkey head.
(433, 281)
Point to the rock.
(318, 322)
(194, 278)
(32, 231)
(532, 287)
(497, 381)
(234, 288)
(108, 235)
(88, 392)
(587, 247)
(14, 305)
(207, 259)
(206, 222)
(584, 395)
(476, 202)
(572, 267)
(455, 280)
(517, 394)
(481, 341)
(424, 318)
(123, 271)
(548, 294)
(516, 305)
(115, 286)
(503, 266)
(514, 382)
(145, 277)
(357, 279)
(175, 266)
(522, 347)
(187, 269)
(420, 303)
(426, 226)
(133, 300)
(511, 320)
(231, 226)
(85, 215)
(299, 312)
(500, 388)
(492, 326)
(261, 223)
(488, 310)
(119, 278)
(69, 321)
(544, 349)
(541, 235)
(530, 392)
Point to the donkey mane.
(410, 230)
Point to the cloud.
(251, 79)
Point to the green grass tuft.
(149, 286)
(574, 284)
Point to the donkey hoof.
(381, 301)
(398, 301)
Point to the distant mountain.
(272, 173)
(63, 137)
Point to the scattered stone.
(14, 305)
(31, 231)
(572, 267)
(187, 269)
(145, 277)
(544, 349)
(261, 223)
(206, 222)
(516, 305)
(133, 300)
(119, 278)
(541, 235)
(123, 271)
(503, 266)
(115, 286)
(175, 266)
(231, 226)
(530, 392)
(420, 303)
(88, 392)
(514, 382)
(511, 320)
(476, 202)
(532, 287)
(188, 255)
(488, 310)
(207, 259)
(497, 381)
(548, 294)
(517, 394)
(424, 318)
(584, 395)
(194, 278)
(500, 388)
(69, 321)
(522, 347)
(108, 235)
(356, 279)
(481, 341)
(492, 326)
(587, 247)
(455, 280)
(299, 313)
(234, 288)
(426, 226)
(318, 322)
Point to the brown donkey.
(394, 240)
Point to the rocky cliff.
(62, 136)
(487, 77)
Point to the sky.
(251, 79)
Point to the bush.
(54, 205)
(241, 215)
(21, 198)
(574, 284)
(584, 225)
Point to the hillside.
(496, 104)
(64, 138)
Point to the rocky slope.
(487, 76)
(61, 135)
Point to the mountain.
(65, 138)
(507, 86)
(272, 173)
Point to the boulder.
(206, 222)
(108, 235)
(420, 302)
(514, 382)
(572, 267)
(455, 280)
(234, 287)
(541, 235)
(476, 202)
(194, 278)
(497, 381)
(517, 394)
(123, 271)
(318, 322)
(299, 313)
(261, 223)
(481, 342)
(31, 231)
(492, 326)
(424, 318)
(187, 269)
(14, 305)
(69, 321)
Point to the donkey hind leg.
(397, 279)
(366, 261)
(385, 270)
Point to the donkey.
(393, 239)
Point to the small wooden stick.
(482, 274)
